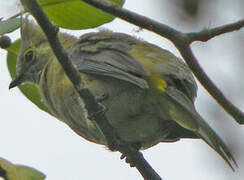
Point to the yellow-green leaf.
(19, 172)
(9, 25)
(75, 14)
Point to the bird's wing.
(108, 57)
(178, 75)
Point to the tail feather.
(214, 141)
(196, 123)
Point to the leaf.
(19, 172)
(29, 90)
(9, 25)
(75, 14)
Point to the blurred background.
(31, 137)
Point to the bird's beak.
(15, 82)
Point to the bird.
(148, 92)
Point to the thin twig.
(16, 15)
(134, 18)
(208, 34)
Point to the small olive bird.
(149, 93)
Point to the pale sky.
(32, 137)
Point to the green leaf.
(19, 172)
(29, 90)
(9, 25)
(29, 173)
(75, 14)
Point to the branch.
(182, 42)
(208, 34)
(95, 110)
(134, 18)
(236, 113)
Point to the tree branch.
(134, 18)
(95, 110)
(208, 34)
(182, 42)
(186, 53)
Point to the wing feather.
(100, 58)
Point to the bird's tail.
(197, 124)
(213, 140)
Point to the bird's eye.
(29, 54)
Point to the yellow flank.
(158, 82)
(148, 57)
